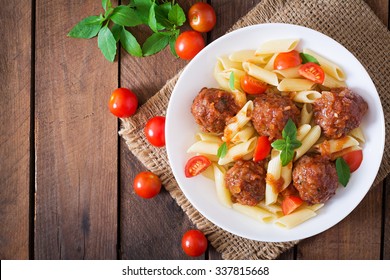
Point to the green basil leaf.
(222, 150)
(108, 13)
(152, 18)
(116, 30)
(107, 43)
(129, 43)
(162, 16)
(126, 16)
(286, 156)
(177, 15)
(86, 28)
(343, 171)
(231, 80)
(279, 144)
(172, 42)
(294, 144)
(142, 8)
(289, 130)
(154, 44)
(308, 58)
(106, 4)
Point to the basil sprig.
(288, 144)
(222, 150)
(231, 80)
(110, 27)
(343, 171)
(308, 58)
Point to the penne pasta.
(306, 114)
(208, 137)
(223, 192)
(273, 208)
(221, 80)
(290, 73)
(260, 73)
(228, 64)
(328, 66)
(306, 96)
(270, 64)
(273, 180)
(255, 212)
(307, 142)
(302, 131)
(286, 175)
(239, 96)
(276, 46)
(338, 154)
(249, 56)
(332, 146)
(331, 82)
(295, 218)
(209, 173)
(204, 147)
(238, 151)
(295, 84)
(358, 134)
(244, 134)
(238, 121)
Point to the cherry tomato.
(262, 149)
(291, 203)
(123, 103)
(155, 131)
(188, 44)
(312, 72)
(194, 243)
(252, 85)
(202, 17)
(286, 60)
(147, 184)
(196, 165)
(354, 159)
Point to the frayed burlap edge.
(155, 159)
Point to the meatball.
(246, 182)
(339, 111)
(212, 108)
(271, 113)
(315, 178)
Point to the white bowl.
(181, 128)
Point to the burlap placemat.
(350, 22)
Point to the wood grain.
(149, 229)
(76, 138)
(15, 76)
(386, 220)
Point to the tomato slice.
(252, 85)
(286, 60)
(312, 72)
(262, 149)
(196, 165)
(353, 159)
(291, 203)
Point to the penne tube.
(332, 146)
(302, 131)
(273, 208)
(358, 134)
(249, 55)
(203, 147)
(276, 46)
(244, 134)
(239, 97)
(221, 80)
(314, 207)
(306, 114)
(286, 175)
(228, 64)
(260, 73)
(208, 137)
(238, 151)
(295, 84)
(255, 212)
(273, 180)
(328, 66)
(295, 218)
(209, 173)
(238, 121)
(331, 82)
(306, 96)
(307, 142)
(290, 73)
(270, 64)
(345, 151)
(223, 192)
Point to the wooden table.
(66, 177)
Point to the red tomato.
(252, 85)
(123, 103)
(202, 17)
(196, 165)
(286, 60)
(194, 243)
(155, 131)
(147, 184)
(291, 203)
(262, 149)
(312, 72)
(354, 159)
(188, 44)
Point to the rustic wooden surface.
(66, 177)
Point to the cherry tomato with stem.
(155, 131)
(263, 148)
(123, 103)
(290, 203)
(312, 72)
(194, 243)
(353, 159)
(189, 44)
(202, 17)
(252, 85)
(147, 184)
(286, 60)
(196, 165)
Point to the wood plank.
(386, 220)
(381, 9)
(149, 229)
(76, 138)
(15, 73)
